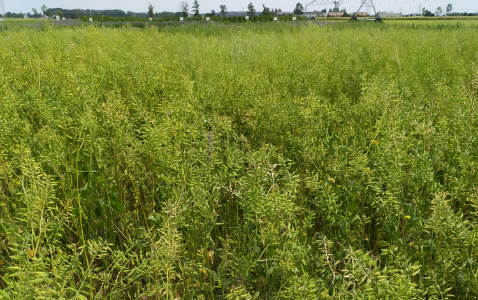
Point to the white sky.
(405, 6)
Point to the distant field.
(466, 19)
(245, 161)
(19, 21)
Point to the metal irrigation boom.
(366, 3)
(336, 3)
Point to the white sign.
(207, 19)
(294, 18)
(275, 18)
(181, 19)
(247, 17)
(58, 18)
(150, 19)
(1, 19)
(90, 19)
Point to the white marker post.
(247, 17)
(90, 19)
(1, 19)
(294, 18)
(58, 18)
(275, 18)
(150, 19)
(207, 19)
(181, 19)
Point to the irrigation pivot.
(366, 3)
(337, 3)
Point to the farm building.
(336, 14)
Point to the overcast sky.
(404, 6)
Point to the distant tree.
(251, 11)
(196, 8)
(299, 9)
(35, 11)
(184, 8)
(78, 13)
(45, 10)
(213, 13)
(150, 10)
(449, 8)
(223, 10)
(266, 11)
(438, 11)
(336, 7)
(426, 13)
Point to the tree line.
(251, 11)
(183, 12)
(78, 13)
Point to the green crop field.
(239, 161)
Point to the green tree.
(449, 8)
(223, 10)
(196, 8)
(266, 11)
(45, 10)
(438, 11)
(150, 10)
(184, 8)
(251, 11)
(336, 6)
(78, 13)
(426, 12)
(35, 12)
(299, 9)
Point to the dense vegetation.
(255, 161)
